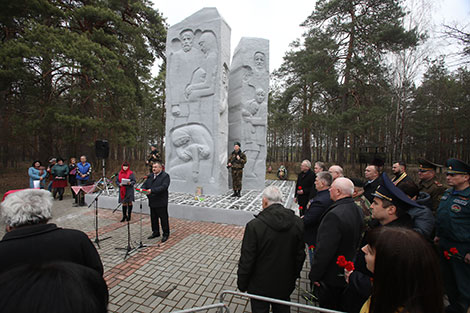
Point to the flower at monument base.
(311, 247)
(454, 250)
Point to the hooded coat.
(272, 253)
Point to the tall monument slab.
(198, 56)
(248, 107)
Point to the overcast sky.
(279, 20)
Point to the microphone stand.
(129, 249)
(95, 201)
(141, 245)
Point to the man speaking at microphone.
(157, 183)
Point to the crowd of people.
(58, 175)
(375, 244)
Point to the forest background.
(72, 72)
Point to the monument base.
(211, 208)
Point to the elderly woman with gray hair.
(30, 239)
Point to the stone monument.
(248, 107)
(198, 56)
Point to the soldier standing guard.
(453, 235)
(236, 162)
(154, 156)
(428, 182)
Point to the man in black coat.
(157, 183)
(30, 240)
(315, 209)
(339, 233)
(373, 180)
(304, 188)
(272, 253)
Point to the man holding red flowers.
(339, 233)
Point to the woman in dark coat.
(126, 190)
(59, 175)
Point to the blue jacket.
(83, 169)
(312, 216)
(453, 216)
(423, 219)
(34, 175)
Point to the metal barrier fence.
(220, 306)
(223, 308)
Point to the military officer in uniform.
(154, 156)
(428, 182)
(236, 162)
(453, 231)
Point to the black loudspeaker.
(102, 149)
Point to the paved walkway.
(189, 270)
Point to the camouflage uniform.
(237, 169)
(154, 156)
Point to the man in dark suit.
(339, 233)
(304, 188)
(373, 180)
(31, 240)
(158, 183)
(315, 209)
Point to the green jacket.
(60, 170)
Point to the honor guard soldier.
(154, 156)
(236, 162)
(453, 235)
(428, 182)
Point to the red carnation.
(311, 247)
(349, 266)
(300, 187)
(446, 255)
(454, 250)
(341, 261)
(301, 208)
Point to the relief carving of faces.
(260, 95)
(180, 138)
(187, 38)
(259, 60)
(206, 42)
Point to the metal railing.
(277, 301)
(224, 308)
(220, 306)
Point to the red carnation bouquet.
(453, 253)
(347, 265)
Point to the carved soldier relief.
(248, 101)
